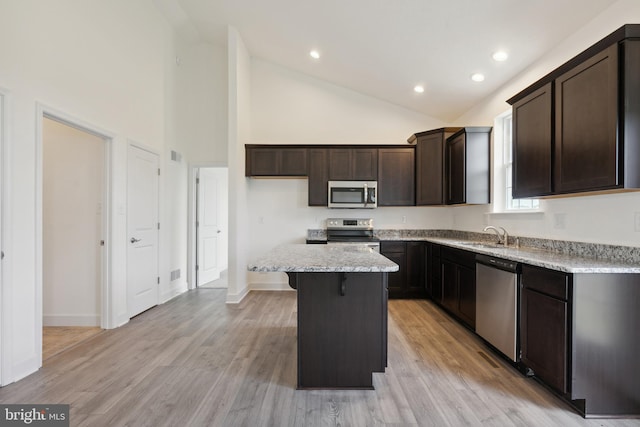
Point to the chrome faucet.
(503, 238)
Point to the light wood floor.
(196, 361)
(56, 339)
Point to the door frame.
(6, 323)
(106, 315)
(192, 216)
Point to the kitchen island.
(342, 311)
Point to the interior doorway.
(210, 209)
(73, 233)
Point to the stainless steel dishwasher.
(497, 304)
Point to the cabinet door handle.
(343, 285)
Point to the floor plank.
(196, 361)
(56, 339)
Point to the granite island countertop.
(303, 258)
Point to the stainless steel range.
(352, 231)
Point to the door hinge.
(158, 171)
(101, 242)
(158, 280)
(197, 180)
(197, 223)
(158, 226)
(197, 267)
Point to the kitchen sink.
(483, 245)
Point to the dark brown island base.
(342, 312)
(342, 328)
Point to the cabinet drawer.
(549, 282)
(392, 247)
(459, 256)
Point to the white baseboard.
(270, 286)
(175, 290)
(237, 298)
(71, 320)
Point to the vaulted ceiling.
(384, 48)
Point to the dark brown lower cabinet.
(544, 337)
(578, 337)
(458, 276)
(433, 282)
(545, 326)
(409, 281)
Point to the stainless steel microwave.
(353, 194)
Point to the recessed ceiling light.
(314, 54)
(418, 89)
(500, 56)
(477, 77)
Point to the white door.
(208, 226)
(142, 230)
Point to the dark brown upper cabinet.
(353, 164)
(275, 161)
(396, 177)
(586, 121)
(430, 165)
(578, 128)
(467, 166)
(532, 143)
(318, 176)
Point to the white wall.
(73, 163)
(288, 107)
(107, 64)
(174, 232)
(201, 113)
(239, 134)
(597, 219)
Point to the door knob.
(133, 240)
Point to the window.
(511, 204)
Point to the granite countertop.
(303, 258)
(559, 255)
(542, 258)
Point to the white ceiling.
(383, 48)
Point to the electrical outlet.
(637, 221)
(559, 221)
(404, 219)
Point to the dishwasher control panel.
(502, 264)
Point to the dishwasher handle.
(499, 263)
